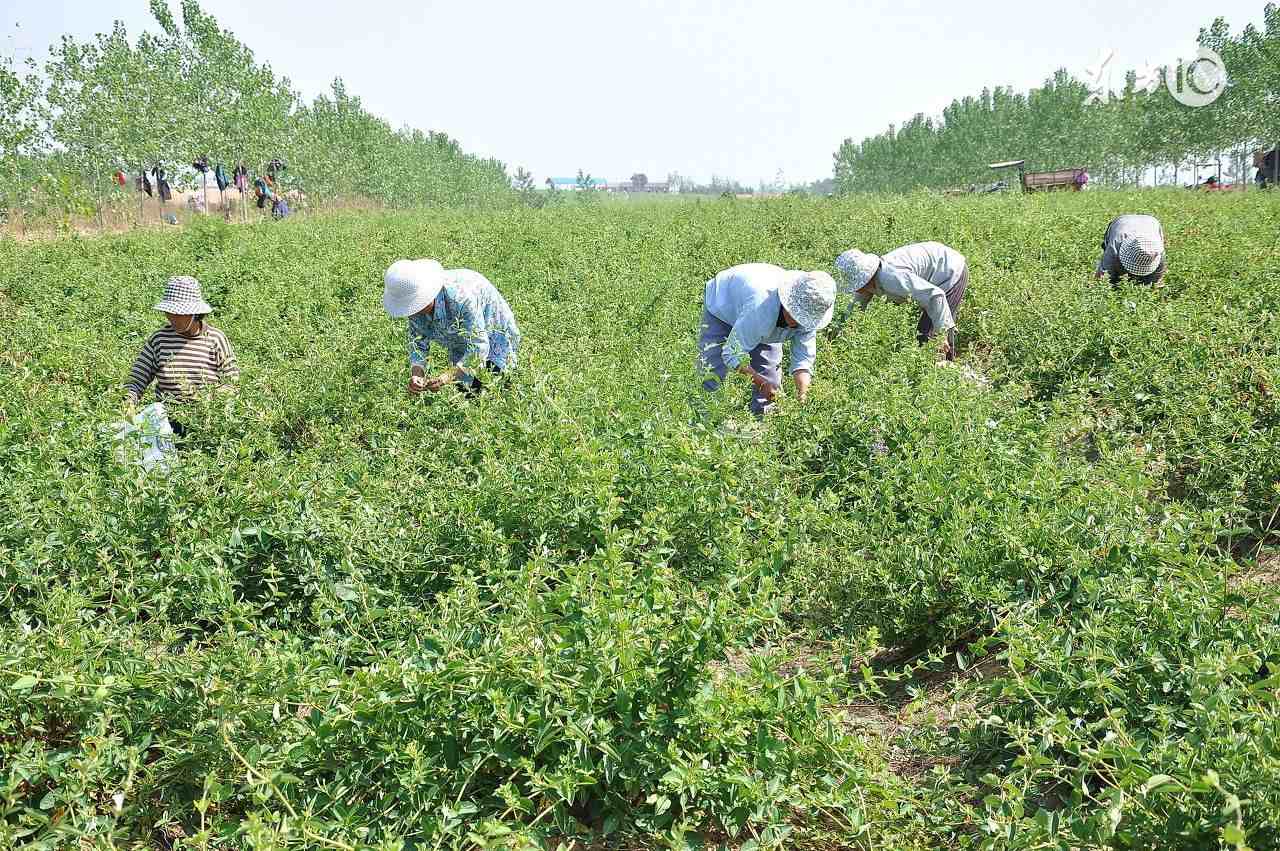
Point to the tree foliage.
(193, 89)
(1062, 124)
(20, 92)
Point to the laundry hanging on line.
(262, 189)
(162, 185)
(220, 178)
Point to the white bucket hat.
(182, 296)
(810, 298)
(1140, 255)
(857, 268)
(410, 285)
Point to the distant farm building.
(571, 184)
(652, 186)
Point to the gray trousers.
(765, 359)
(924, 329)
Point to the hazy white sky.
(702, 87)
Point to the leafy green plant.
(919, 612)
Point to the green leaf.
(1155, 781)
(25, 683)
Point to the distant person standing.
(459, 310)
(748, 312)
(933, 275)
(1133, 245)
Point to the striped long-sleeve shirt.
(182, 366)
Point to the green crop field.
(560, 614)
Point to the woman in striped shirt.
(185, 357)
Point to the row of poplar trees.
(1138, 135)
(190, 90)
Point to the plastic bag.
(146, 438)
(967, 373)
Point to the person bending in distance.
(933, 275)
(1133, 245)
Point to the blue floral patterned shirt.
(471, 321)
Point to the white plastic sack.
(146, 438)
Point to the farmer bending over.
(457, 309)
(185, 357)
(748, 312)
(933, 275)
(1134, 246)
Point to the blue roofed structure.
(572, 183)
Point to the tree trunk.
(102, 219)
(17, 184)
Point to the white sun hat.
(410, 285)
(810, 298)
(857, 268)
(182, 297)
(1140, 255)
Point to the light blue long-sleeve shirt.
(745, 297)
(923, 272)
(471, 321)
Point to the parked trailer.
(1044, 181)
(1052, 181)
